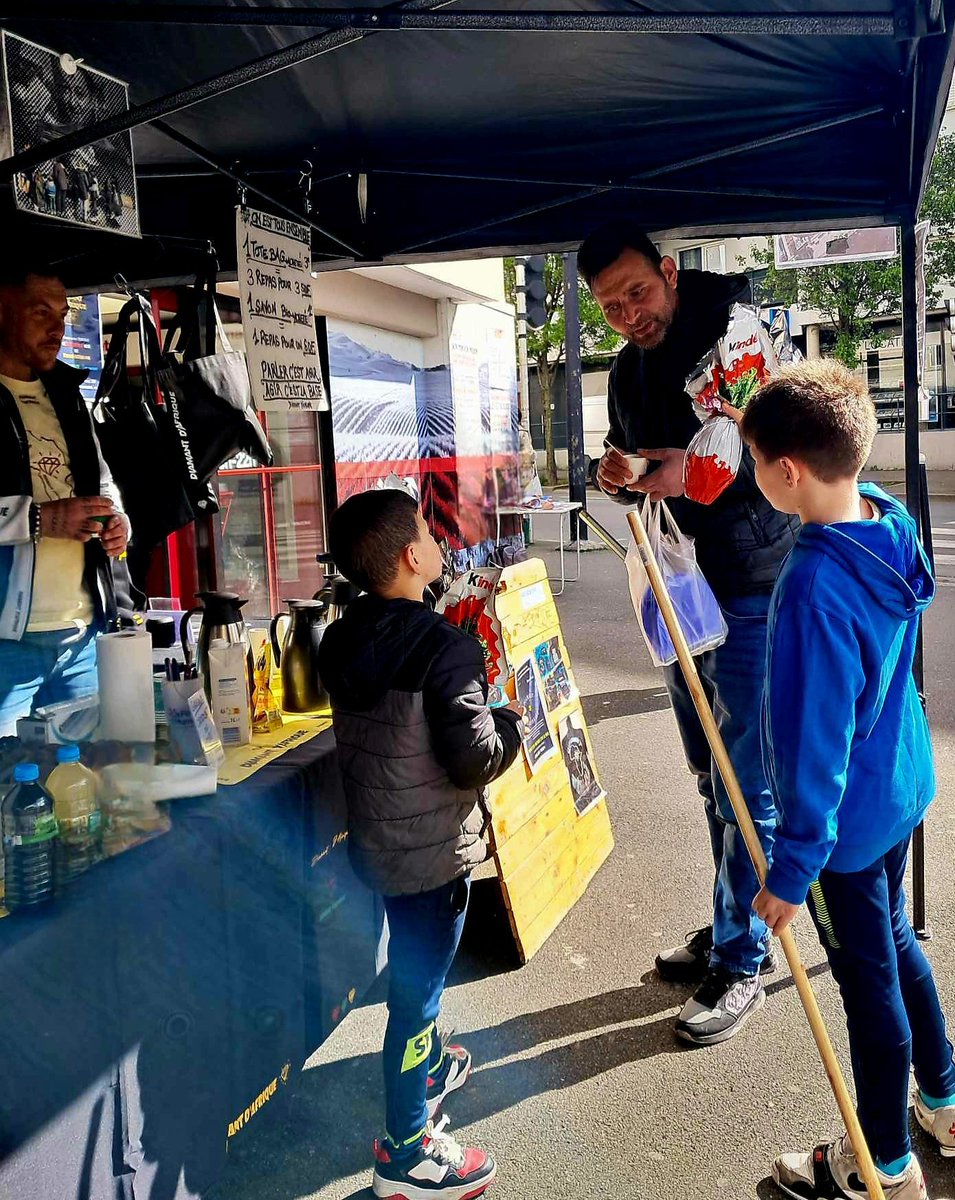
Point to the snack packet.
(265, 710)
(469, 604)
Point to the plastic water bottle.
(29, 839)
(78, 815)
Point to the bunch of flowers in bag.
(731, 373)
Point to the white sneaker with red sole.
(440, 1170)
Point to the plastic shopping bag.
(697, 610)
(712, 459)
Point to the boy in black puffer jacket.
(417, 745)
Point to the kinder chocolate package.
(741, 360)
(712, 459)
(469, 604)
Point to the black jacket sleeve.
(474, 744)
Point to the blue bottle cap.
(68, 754)
(26, 772)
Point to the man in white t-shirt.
(60, 517)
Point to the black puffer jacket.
(741, 539)
(417, 743)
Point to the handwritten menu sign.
(275, 288)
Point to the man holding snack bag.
(672, 320)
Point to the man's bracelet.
(34, 522)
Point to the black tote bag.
(139, 440)
(210, 394)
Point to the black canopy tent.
(484, 129)
(430, 129)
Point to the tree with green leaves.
(546, 346)
(852, 296)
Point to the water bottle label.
(44, 830)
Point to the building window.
(692, 259)
(272, 523)
(711, 257)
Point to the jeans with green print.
(424, 932)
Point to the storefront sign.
(839, 246)
(83, 342)
(275, 285)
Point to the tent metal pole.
(784, 135)
(623, 185)
(326, 431)
(712, 156)
(573, 378)
(243, 181)
(216, 85)
(844, 24)
(914, 502)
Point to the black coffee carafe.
(297, 656)
(336, 593)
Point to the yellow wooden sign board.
(550, 835)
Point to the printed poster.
(553, 674)
(583, 778)
(45, 95)
(275, 289)
(539, 745)
(83, 342)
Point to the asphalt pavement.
(581, 1090)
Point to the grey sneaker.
(938, 1123)
(719, 1007)
(832, 1173)
(690, 962)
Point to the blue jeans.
(732, 678)
(888, 993)
(44, 668)
(425, 929)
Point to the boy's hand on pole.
(777, 914)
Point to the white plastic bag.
(712, 459)
(697, 609)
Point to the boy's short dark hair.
(604, 246)
(369, 532)
(817, 412)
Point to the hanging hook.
(305, 184)
(240, 188)
(122, 284)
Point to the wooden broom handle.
(757, 854)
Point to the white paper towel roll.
(124, 665)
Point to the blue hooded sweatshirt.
(846, 745)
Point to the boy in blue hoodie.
(847, 754)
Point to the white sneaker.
(939, 1123)
(832, 1173)
(440, 1170)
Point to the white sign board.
(839, 246)
(275, 287)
